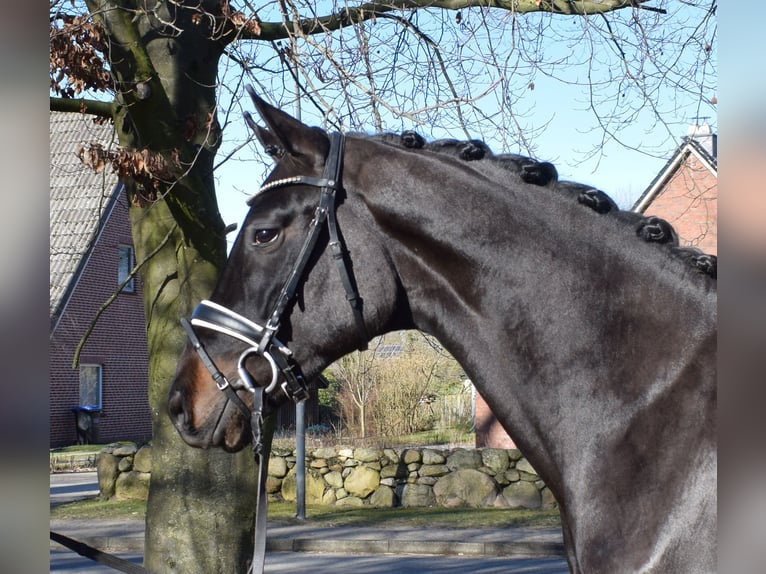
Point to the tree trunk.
(201, 503)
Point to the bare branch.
(372, 10)
(83, 106)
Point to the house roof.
(689, 145)
(80, 201)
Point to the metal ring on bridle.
(244, 375)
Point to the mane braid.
(650, 229)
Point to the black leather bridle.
(261, 339)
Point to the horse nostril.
(176, 408)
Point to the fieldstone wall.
(345, 476)
(124, 471)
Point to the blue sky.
(555, 111)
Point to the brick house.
(91, 254)
(685, 193)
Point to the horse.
(594, 349)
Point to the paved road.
(70, 486)
(67, 487)
(291, 562)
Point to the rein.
(261, 339)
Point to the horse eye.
(265, 236)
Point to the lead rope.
(91, 553)
(261, 456)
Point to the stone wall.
(124, 471)
(344, 476)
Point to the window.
(90, 385)
(125, 266)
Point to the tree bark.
(201, 503)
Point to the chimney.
(705, 137)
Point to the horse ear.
(285, 134)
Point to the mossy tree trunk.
(201, 503)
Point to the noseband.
(260, 339)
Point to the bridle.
(261, 339)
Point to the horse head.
(266, 323)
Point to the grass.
(95, 508)
(327, 516)
(77, 449)
(437, 517)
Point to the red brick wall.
(118, 343)
(489, 432)
(689, 201)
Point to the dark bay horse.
(595, 350)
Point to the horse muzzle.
(261, 342)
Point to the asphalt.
(125, 535)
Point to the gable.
(80, 200)
(685, 193)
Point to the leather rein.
(261, 339)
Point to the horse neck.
(543, 302)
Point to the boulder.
(523, 465)
(432, 456)
(329, 498)
(107, 467)
(512, 475)
(132, 485)
(368, 454)
(464, 458)
(433, 470)
(345, 453)
(384, 497)
(391, 455)
(315, 486)
(324, 452)
(496, 459)
(362, 481)
(125, 450)
(273, 484)
(514, 454)
(548, 500)
(334, 479)
(522, 495)
(353, 501)
(465, 487)
(277, 466)
(142, 462)
(393, 471)
(417, 495)
(410, 456)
